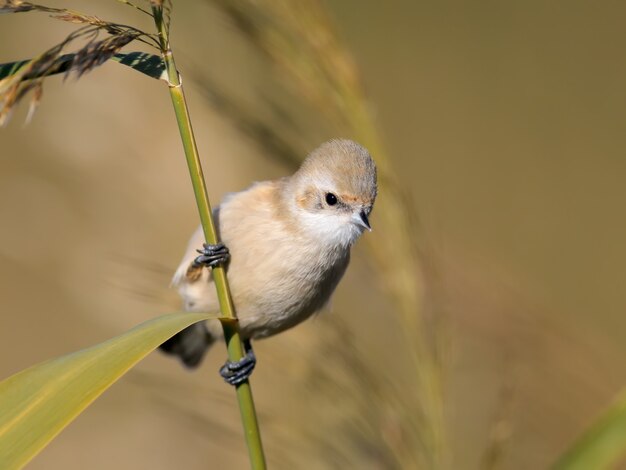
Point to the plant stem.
(230, 326)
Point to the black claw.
(235, 373)
(212, 256)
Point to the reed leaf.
(601, 446)
(37, 403)
(148, 64)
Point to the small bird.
(288, 245)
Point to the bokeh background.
(490, 337)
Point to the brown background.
(505, 121)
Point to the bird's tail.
(190, 344)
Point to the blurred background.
(480, 324)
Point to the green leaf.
(37, 403)
(148, 64)
(601, 446)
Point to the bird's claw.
(212, 256)
(235, 373)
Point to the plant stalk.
(230, 326)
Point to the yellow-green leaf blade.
(37, 403)
(603, 445)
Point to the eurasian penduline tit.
(288, 246)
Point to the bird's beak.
(362, 220)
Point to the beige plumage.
(289, 241)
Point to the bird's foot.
(211, 256)
(235, 373)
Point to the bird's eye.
(331, 199)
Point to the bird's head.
(334, 191)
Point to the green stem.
(231, 326)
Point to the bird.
(285, 245)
